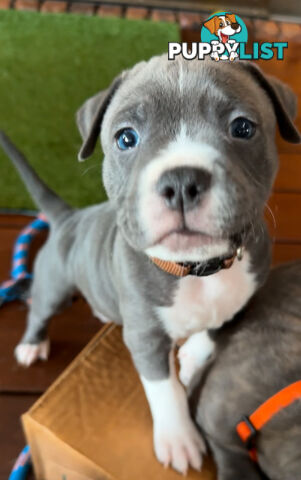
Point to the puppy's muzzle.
(184, 187)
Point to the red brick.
(26, 5)
(163, 16)
(83, 8)
(4, 4)
(54, 7)
(109, 11)
(136, 13)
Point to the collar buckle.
(252, 432)
(240, 253)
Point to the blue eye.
(127, 138)
(242, 128)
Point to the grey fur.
(99, 250)
(44, 197)
(257, 355)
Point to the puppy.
(223, 26)
(188, 167)
(258, 354)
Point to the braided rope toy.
(13, 289)
(22, 465)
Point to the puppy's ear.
(90, 115)
(210, 24)
(231, 17)
(283, 99)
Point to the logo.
(224, 32)
(224, 36)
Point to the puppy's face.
(189, 156)
(223, 26)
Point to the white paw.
(233, 55)
(179, 445)
(26, 353)
(193, 355)
(215, 56)
(188, 366)
(176, 439)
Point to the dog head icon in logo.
(223, 26)
(224, 31)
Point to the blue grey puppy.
(189, 161)
(257, 355)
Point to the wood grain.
(289, 175)
(284, 224)
(286, 252)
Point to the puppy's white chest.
(207, 302)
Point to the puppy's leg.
(176, 440)
(194, 354)
(48, 291)
(234, 464)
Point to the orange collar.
(249, 427)
(198, 269)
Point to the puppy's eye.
(127, 138)
(242, 128)
(221, 24)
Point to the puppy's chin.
(189, 248)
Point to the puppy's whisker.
(89, 168)
(271, 213)
(255, 181)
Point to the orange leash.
(249, 427)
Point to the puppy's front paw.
(215, 56)
(179, 445)
(189, 365)
(27, 353)
(233, 56)
(193, 356)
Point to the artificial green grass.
(49, 64)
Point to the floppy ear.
(210, 24)
(90, 115)
(231, 17)
(283, 99)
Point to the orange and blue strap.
(12, 288)
(249, 427)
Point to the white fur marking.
(155, 217)
(176, 440)
(193, 355)
(181, 77)
(207, 302)
(26, 353)
(199, 254)
(101, 317)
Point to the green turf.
(49, 64)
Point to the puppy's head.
(223, 26)
(190, 152)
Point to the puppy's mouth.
(185, 239)
(224, 37)
(188, 240)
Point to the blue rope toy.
(13, 289)
(22, 465)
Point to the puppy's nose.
(235, 26)
(182, 188)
